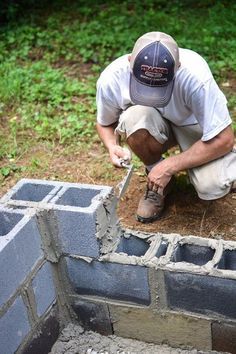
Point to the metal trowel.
(122, 186)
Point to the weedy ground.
(51, 55)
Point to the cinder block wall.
(75, 263)
(27, 295)
(39, 222)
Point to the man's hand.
(197, 155)
(159, 177)
(117, 154)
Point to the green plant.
(51, 56)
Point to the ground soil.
(185, 213)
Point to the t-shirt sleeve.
(108, 111)
(209, 105)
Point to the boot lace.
(154, 196)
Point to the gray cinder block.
(14, 326)
(80, 214)
(203, 294)
(20, 250)
(111, 280)
(43, 288)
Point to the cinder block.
(132, 246)
(194, 254)
(110, 280)
(201, 294)
(14, 326)
(45, 335)
(79, 211)
(82, 211)
(228, 260)
(20, 250)
(93, 316)
(224, 337)
(43, 288)
(176, 330)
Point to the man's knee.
(141, 118)
(139, 137)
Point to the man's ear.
(179, 65)
(129, 57)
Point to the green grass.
(51, 56)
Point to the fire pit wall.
(64, 257)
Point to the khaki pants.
(212, 180)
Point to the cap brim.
(150, 96)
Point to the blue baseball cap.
(154, 62)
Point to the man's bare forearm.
(202, 152)
(116, 152)
(198, 154)
(107, 135)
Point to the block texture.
(201, 294)
(77, 233)
(93, 316)
(43, 288)
(173, 329)
(111, 280)
(18, 258)
(14, 326)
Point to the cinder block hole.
(162, 249)
(194, 254)
(228, 260)
(8, 221)
(132, 246)
(32, 192)
(77, 197)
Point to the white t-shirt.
(196, 97)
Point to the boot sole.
(147, 220)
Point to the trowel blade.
(122, 186)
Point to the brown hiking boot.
(151, 204)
